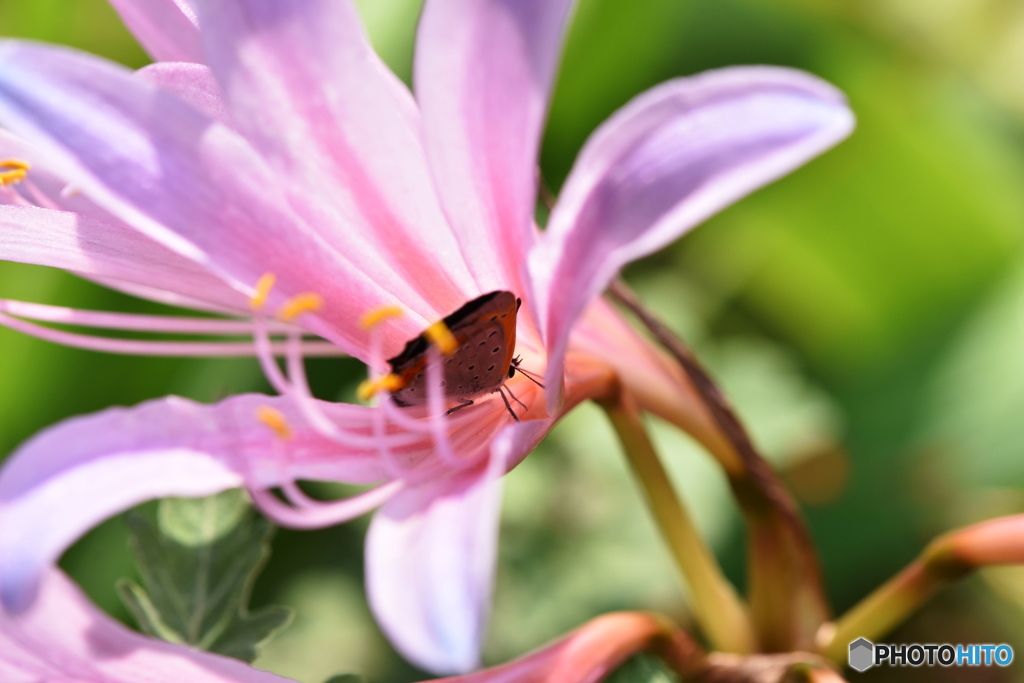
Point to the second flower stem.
(787, 598)
(948, 558)
(717, 606)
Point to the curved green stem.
(716, 604)
(787, 596)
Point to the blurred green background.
(865, 314)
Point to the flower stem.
(787, 597)
(782, 667)
(716, 605)
(945, 560)
(597, 648)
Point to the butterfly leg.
(508, 406)
(509, 390)
(460, 406)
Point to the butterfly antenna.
(532, 376)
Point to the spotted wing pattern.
(485, 330)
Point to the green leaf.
(642, 668)
(198, 565)
(200, 521)
(345, 678)
(248, 632)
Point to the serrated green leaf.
(246, 633)
(197, 567)
(145, 613)
(642, 668)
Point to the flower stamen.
(371, 387)
(275, 420)
(17, 315)
(378, 315)
(12, 177)
(307, 302)
(316, 514)
(298, 390)
(13, 171)
(70, 190)
(17, 164)
(439, 421)
(259, 298)
(370, 322)
(441, 337)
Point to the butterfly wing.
(485, 331)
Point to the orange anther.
(275, 420)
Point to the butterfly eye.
(511, 371)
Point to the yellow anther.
(263, 287)
(15, 163)
(378, 315)
(370, 387)
(275, 420)
(307, 302)
(13, 171)
(442, 338)
(11, 177)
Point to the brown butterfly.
(483, 360)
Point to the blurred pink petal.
(175, 175)
(98, 230)
(64, 638)
(91, 248)
(430, 556)
(72, 476)
(194, 83)
(666, 161)
(484, 71)
(353, 135)
(166, 28)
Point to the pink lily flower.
(64, 638)
(279, 143)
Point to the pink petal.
(430, 555)
(109, 252)
(64, 638)
(484, 70)
(189, 183)
(46, 188)
(668, 160)
(657, 382)
(166, 28)
(71, 476)
(194, 83)
(307, 89)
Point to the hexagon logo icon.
(862, 654)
